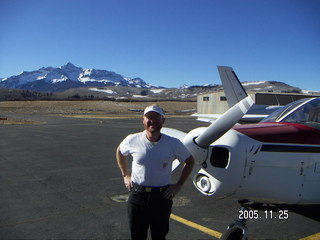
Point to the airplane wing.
(253, 117)
(210, 118)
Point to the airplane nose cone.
(199, 154)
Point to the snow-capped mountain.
(53, 79)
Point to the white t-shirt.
(152, 162)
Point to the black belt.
(138, 188)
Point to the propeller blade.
(232, 87)
(224, 123)
(176, 134)
(173, 133)
(175, 164)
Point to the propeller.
(174, 133)
(231, 85)
(177, 134)
(210, 134)
(224, 123)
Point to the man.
(150, 200)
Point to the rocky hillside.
(70, 82)
(51, 79)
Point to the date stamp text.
(267, 214)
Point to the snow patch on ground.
(108, 91)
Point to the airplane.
(273, 165)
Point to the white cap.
(153, 108)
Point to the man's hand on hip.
(172, 191)
(127, 182)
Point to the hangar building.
(216, 103)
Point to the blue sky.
(166, 42)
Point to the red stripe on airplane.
(280, 133)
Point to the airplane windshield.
(278, 114)
(308, 113)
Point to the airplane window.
(308, 114)
(314, 111)
(298, 116)
(273, 116)
(278, 114)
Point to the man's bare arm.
(186, 170)
(123, 165)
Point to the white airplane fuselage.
(266, 162)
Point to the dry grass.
(85, 109)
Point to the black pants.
(148, 209)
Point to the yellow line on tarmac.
(196, 226)
(216, 234)
(315, 236)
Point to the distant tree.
(144, 93)
(76, 96)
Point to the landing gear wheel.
(237, 230)
(234, 233)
